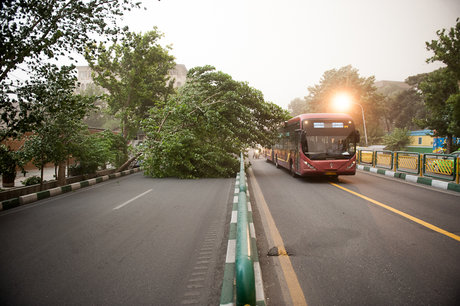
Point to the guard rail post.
(244, 266)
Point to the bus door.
(297, 137)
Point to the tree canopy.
(31, 29)
(58, 113)
(362, 91)
(200, 131)
(135, 73)
(440, 88)
(447, 48)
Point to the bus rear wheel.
(276, 162)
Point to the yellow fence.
(441, 166)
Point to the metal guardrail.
(244, 265)
(383, 159)
(408, 162)
(366, 157)
(440, 166)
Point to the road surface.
(131, 241)
(347, 250)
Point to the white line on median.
(129, 201)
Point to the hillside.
(389, 88)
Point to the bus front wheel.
(291, 170)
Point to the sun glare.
(342, 101)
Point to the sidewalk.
(446, 185)
(48, 175)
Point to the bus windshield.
(328, 139)
(328, 147)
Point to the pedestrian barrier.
(439, 166)
(407, 162)
(383, 159)
(242, 283)
(366, 157)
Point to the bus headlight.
(308, 165)
(351, 165)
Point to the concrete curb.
(228, 286)
(413, 178)
(33, 197)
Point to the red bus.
(316, 144)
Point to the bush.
(397, 140)
(33, 180)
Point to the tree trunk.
(128, 162)
(449, 144)
(8, 179)
(61, 179)
(41, 177)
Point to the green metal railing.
(441, 166)
(383, 159)
(244, 265)
(408, 162)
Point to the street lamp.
(342, 102)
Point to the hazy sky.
(282, 47)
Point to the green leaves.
(31, 29)
(361, 89)
(397, 140)
(447, 48)
(200, 131)
(135, 73)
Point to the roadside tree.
(135, 73)
(200, 131)
(33, 30)
(440, 92)
(360, 89)
(447, 50)
(58, 112)
(397, 140)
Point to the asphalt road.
(131, 241)
(346, 250)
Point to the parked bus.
(316, 144)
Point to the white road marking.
(133, 199)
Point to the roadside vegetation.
(191, 132)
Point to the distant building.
(178, 74)
(424, 141)
(421, 141)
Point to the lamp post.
(364, 121)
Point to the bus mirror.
(356, 136)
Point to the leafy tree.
(447, 50)
(59, 114)
(135, 73)
(297, 106)
(405, 108)
(9, 160)
(200, 131)
(95, 151)
(441, 94)
(397, 140)
(362, 90)
(100, 116)
(32, 29)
